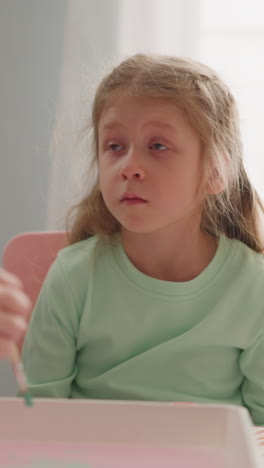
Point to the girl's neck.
(179, 257)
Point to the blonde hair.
(211, 109)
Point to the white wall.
(31, 47)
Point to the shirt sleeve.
(252, 366)
(49, 348)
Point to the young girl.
(160, 294)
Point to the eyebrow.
(158, 123)
(154, 123)
(111, 125)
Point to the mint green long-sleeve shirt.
(103, 329)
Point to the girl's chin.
(138, 229)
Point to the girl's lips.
(132, 198)
(132, 201)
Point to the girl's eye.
(114, 147)
(159, 147)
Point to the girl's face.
(149, 164)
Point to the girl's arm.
(50, 344)
(252, 366)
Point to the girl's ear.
(215, 183)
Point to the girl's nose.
(132, 168)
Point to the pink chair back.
(29, 256)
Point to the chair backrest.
(29, 256)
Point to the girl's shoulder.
(84, 246)
(248, 261)
(83, 255)
(76, 266)
(248, 253)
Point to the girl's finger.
(12, 327)
(14, 301)
(8, 279)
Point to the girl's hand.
(15, 309)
